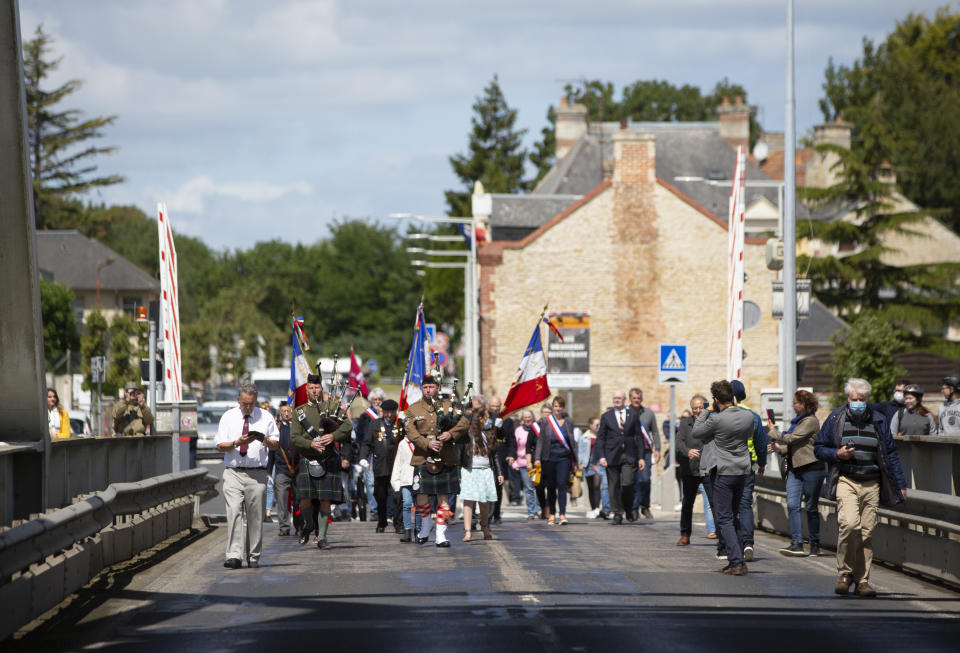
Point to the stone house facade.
(648, 262)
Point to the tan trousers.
(857, 517)
(244, 490)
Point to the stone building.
(630, 226)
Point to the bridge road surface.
(583, 587)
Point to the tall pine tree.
(495, 154)
(61, 150)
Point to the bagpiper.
(317, 430)
(432, 425)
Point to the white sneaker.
(592, 514)
(678, 507)
(748, 553)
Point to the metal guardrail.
(49, 534)
(922, 535)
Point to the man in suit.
(650, 434)
(620, 455)
(688, 465)
(381, 440)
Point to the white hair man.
(864, 472)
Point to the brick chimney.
(570, 126)
(821, 172)
(634, 157)
(734, 122)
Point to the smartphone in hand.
(770, 415)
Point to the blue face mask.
(858, 407)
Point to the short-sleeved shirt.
(231, 427)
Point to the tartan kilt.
(446, 482)
(327, 488)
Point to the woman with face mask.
(913, 418)
(864, 472)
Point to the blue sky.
(261, 120)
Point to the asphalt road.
(583, 587)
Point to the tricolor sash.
(536, 427)
(646, 435)
(557, 431)
(372, 413)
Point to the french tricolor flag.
(410, 391)
(299, 369)
(530, 384)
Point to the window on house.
(78, 306)
(130, 304)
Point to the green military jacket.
(131, 419)
(300, 439)
(421, 424)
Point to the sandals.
(563, 520)
(550, 521)
(466, 536)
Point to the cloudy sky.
(256, 120)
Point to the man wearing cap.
(757, 445)
(441, 478)
(381, 440)
(316, 437)
(245, 436)
(132, 416)
(950, 410)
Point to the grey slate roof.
(72, 259)
(684, 150)
(820, 325)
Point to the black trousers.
(689, 485)
(496, 506)
(620, 479)
(381, 486)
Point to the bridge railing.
(921, 535)
(44, 560)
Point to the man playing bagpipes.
(432, 425)
(318, 427)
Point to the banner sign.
(568, 354)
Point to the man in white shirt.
(245, 436)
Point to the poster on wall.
(568, 350)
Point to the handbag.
(576, 487)
(534, 474)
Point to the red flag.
(553, 327)
(356, 376)
(530, 383)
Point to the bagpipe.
(447, 419)
(332, 416)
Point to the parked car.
(208, 421)
(223, 393)
(80, 425)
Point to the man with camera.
(132, 416)
(245, 436)
(728, 428)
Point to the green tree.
(93, 342)
(866, 350)
(123, 364)
(903, 99)
(59, 323)
(60, 140)
(495, 154)
(543, 155)
(921, 298)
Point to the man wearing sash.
(381, 441)
(643, 424)
(316, 437)
(621, 455)
(435, 459)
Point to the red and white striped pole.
(736, 271)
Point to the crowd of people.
(437, 455)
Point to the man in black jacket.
(621, 455)
(688, 466)
(381, 440)
(283, 465)
(504, 428)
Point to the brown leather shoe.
(843, 584)
(646, 513)
(735, 571)
(683, 541)
(864, 589)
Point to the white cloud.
(192, 195)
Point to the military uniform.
(131, 419)
(309, 486)
(421, 427)
(381, 440)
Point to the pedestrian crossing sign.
(673, 364)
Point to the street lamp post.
(470, 290)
